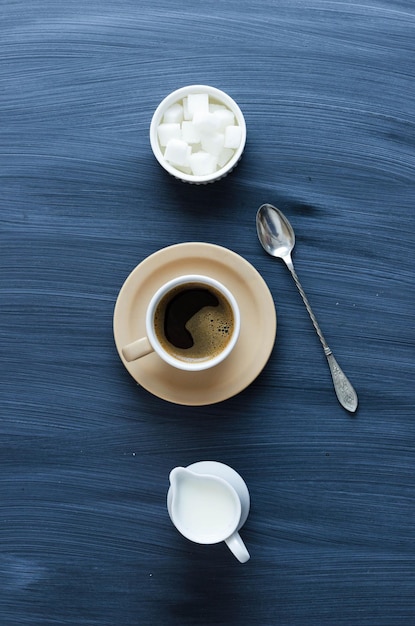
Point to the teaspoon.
(277, 238)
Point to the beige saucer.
(258, 323)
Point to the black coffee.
(193, 322)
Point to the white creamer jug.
(208, 502)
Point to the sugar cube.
(205, 122)
(186, 113)
(202, 163)
(224, 156)
(189, 132)
(168, 131)
(233, 136)
(213, 143)
(177, 152)
(198, 102)
(225, 117)
(173, 114)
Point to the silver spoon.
(277, 238)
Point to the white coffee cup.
(214, 338)
(208, 502)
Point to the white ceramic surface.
(174, 97)
(211, 474)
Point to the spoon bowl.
(278, 239)
(274, 231)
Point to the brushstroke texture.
(327, 88)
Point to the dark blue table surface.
(327, 89)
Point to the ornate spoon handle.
(342, 386)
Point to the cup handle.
(237, 547)
(137, 349)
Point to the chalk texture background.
(327, 89)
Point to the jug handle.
(237, 547)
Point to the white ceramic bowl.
(216, 96)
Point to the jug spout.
(184, 486)
(181, 481)
(177, 476)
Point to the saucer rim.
(233, 263)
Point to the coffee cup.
(192, 323)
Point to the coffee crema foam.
(209, 326)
